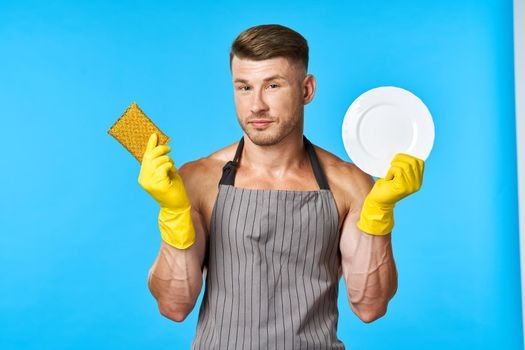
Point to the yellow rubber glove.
(159, 177)
(404, 177)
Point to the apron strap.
(230, 168)
(316, 165)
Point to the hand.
(159, 177)
(404, 177)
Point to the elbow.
(370, 312)
(371, 315)
(176, 314)
(172, 305)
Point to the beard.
(276, 131)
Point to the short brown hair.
(268, 41)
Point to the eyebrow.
(275, 76)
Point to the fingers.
(412, 167)
(161, 160)
(408, 171)
(418, 170)
(153, 150)
(407, 158)
(164, 168)
(152, 142)
(417, 164)
(399, 178)
(158, 151)
(421, 171)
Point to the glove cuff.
(176, 227)
(376, 219)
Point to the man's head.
(268, 65)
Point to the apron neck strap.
(229, 169)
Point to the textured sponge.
(133, 130)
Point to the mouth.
(260, 123)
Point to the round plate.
(385, 121)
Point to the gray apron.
(273, 267)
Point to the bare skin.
(274, 158)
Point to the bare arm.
(368, 264)
(175, 278)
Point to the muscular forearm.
(371, 275)
(175, 280)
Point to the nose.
(257, 103)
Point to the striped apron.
(273, 267)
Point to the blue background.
(78, 234)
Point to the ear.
(308, 88)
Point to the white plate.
(385, 121)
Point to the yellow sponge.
(133, 129)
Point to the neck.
(275, 160)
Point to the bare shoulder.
(201, 177)
(205, 166)
(348, 183)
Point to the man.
(273, 220)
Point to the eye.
(243, 88)
(274, 85)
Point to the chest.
(211, 196)
(298, 226)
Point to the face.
(269, 98)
